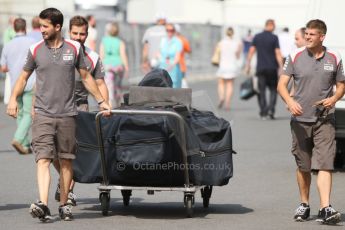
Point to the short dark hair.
(78, 21)
(54, 15)
(35, 23)
(269, 21)
(317, 24)
(230, 31)
(19, 25)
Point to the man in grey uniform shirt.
(315, 70)
(78, 27)
(53, 128)
(151, 41)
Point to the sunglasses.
(170, 30)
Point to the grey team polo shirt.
(95, 67)
(313, 79)
(55, 77)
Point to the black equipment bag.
(248, 88)
(212, 163)
(87, 165)
(142, 150)
(139, 151)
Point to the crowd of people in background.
(164, 46)
(24, 58)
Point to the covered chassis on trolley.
(155, 135)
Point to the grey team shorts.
(313, 144)
(53, 137)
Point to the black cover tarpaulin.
(144, 150)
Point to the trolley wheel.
(126, 195)
(188, 203)
(104, 198)
(206, 194)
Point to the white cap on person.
(161, 15)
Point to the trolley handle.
(182, 140)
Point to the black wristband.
(100, 102)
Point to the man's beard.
(51, 37)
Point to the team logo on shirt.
(68, 56)
(328, 67)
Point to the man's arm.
(4, 69)
(279, 58)
(3, 60)
(12, 107)
(145, 63)
(294, 107)
(339, 93)
(102, 87)
(91, 86)
(251, 53)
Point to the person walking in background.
(151, 43)
(35, 33)
(315, 70)
(247, 42)
(269, 61)
(8, 35)
(286, 43)
(229, 68)
(12, 60)
(299, 37)
(9, 32)
(299, 42)
(53, 128)
(78, 27)
(113, 53)
(170, 54)
(185, 49)
(91, 40)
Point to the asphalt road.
(262, 194)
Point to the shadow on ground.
(164, 210)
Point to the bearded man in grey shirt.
(53, 130)
(78, 31)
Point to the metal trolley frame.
(126, 191)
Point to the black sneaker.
(57, 193)
(328, 215)
(72, 199)
(302, 213)
(65, 212)
(40, 211)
